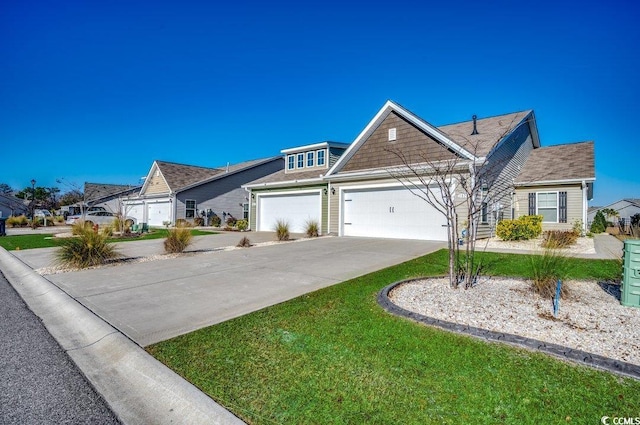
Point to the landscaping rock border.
(577, 356)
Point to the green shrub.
(312, 229)
(244, 243)
(178, 239)
(198, 221)
(559, 238)
(242, 225)
(59, 219)
(546, 270)
(87, 249)
(523, 228)
(282, 230)
(216, 221)
(599, 223)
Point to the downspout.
(584, 206)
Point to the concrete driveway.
(156, 300)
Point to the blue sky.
(95, 91)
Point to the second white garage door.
(296, 209)
(158, 213)
(391, 212)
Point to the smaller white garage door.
(135, 210)
(391, 212)
(158, 213)
(296, 209)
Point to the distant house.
(297, 194)
(108, 196)
(626, 208)
(10, 205)
(361, 194)
(174, 191)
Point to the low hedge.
(522, 228)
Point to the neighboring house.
(626, 209)
(176, 191)
(10, 205)
(109, 196)
(367, 186)
(297, 194)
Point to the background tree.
(71, 197)
(599, 223)
(5, 189)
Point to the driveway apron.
(156, 300)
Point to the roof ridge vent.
(475, 129)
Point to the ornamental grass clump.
(282, 230)
(87, 248)
(178, 239)
(554, 239)
(244, 243)
(546, 270)
(312, 229)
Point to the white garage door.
(296, 209)
(159, 212)
(136, 211)
(391, 213)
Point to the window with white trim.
(245, 211)
(190, 208)
(300, 160)
(547, 205)
(311, 159)
(484, 214)
(320, 158)
(291, 162)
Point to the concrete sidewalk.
(138, 388)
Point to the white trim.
(292, 156)
(287, 192)
(386, 109)
(313, 159)
(519, 185)
(298, 167)
(314, 180)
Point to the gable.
(415, 144)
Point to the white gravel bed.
(583, 245)
(589, 319)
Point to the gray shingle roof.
(490, 131)
(180, 176)
(573, 161)
(282, 177)
(100, 190)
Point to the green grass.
(32, 241)
(334, 356)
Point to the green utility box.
(630, 291)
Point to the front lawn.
(46, 240)
(334, 356)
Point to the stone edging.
(565, 353)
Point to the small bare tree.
(459, 188)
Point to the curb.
(138, 388)
(576, 356)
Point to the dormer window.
(320, 157)
(300, 160)
(291, 162)
(311, 159)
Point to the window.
(484, 216)
(310, 159)
(300, 160)
(320, 156)
(190, 208)
(548, 206)
(291, 162)
(245, 211)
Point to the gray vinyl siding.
(325, 202)
(224, 195)
(574, 204)
(334, 155)
(502, 167)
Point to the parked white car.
(101, 218)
